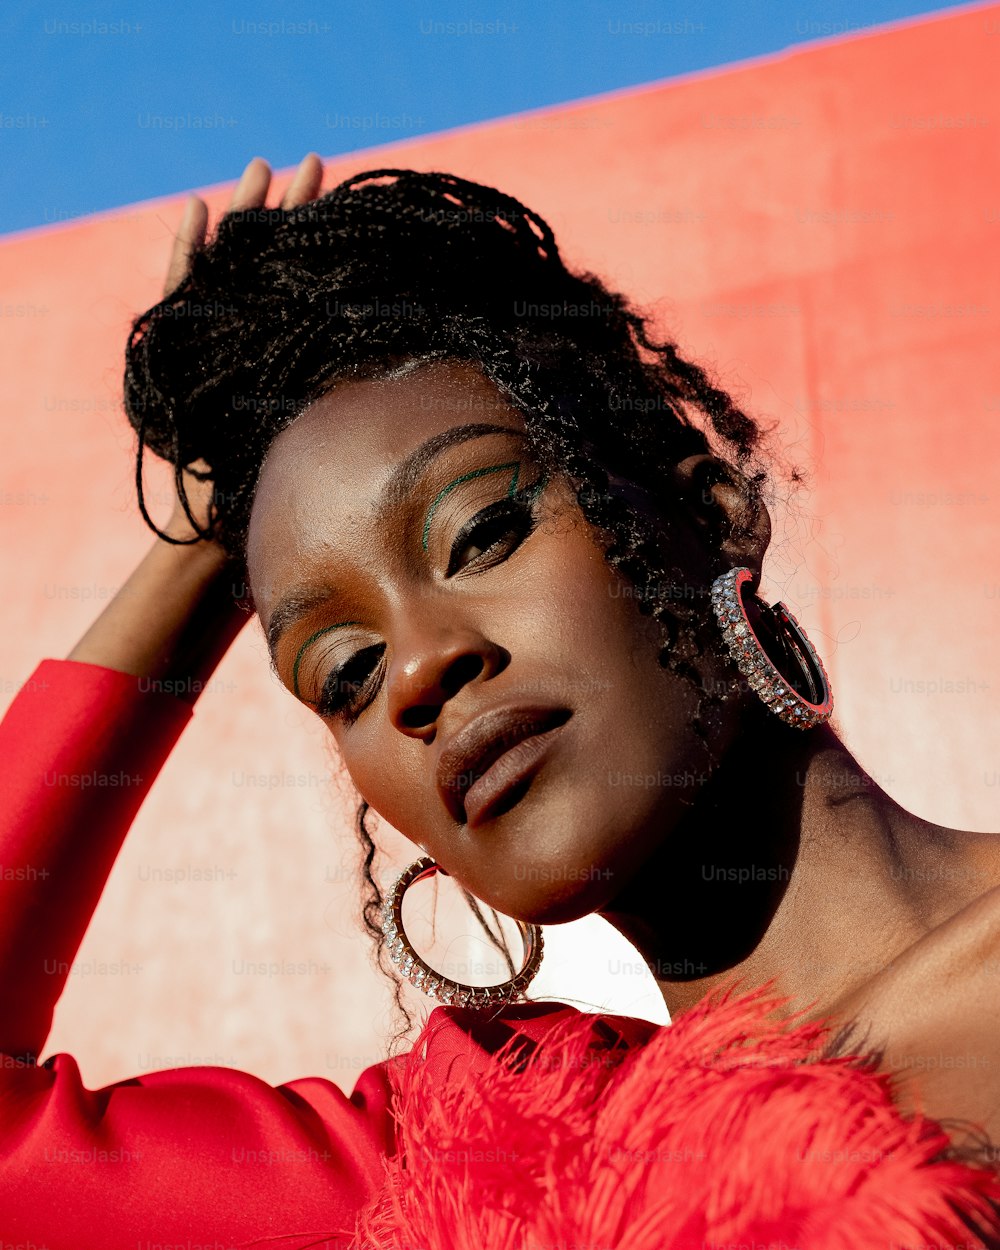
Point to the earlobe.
(726, 510)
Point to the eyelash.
(518, 513)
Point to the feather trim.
(725, 1130)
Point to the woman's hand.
(250, 192)
(179, 611)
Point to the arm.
(192, 1155)
(80, 746)
(173, 620)
(202, 1155)
(84, 739)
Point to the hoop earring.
(756, 665)
(422, 975)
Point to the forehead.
(334, 458)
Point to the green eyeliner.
(319, 633)
(494, 468)
(540, 486)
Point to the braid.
(395, 265)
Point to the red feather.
(725, 1130)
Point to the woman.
(505, 544)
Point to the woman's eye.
(343, 689)
(495, 531)
(498, 529)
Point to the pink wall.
(822, 229)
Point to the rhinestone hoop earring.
(423, 976)
(757, 667)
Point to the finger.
(190, 234)
(306, 183)
(251, 190)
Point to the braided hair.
(394, 266)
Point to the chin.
(558, 891)
(560, 909)
(562, 851)
(585, 873)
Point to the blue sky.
(104, 104)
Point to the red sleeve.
(192, 1156)
(80, 747)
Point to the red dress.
(542, 1126)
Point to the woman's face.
(365, 556)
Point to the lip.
(492, 753)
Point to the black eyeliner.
(519, 506)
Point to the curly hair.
(394, 266)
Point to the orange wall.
(822, 228)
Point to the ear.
(721, 506)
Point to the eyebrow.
(300, 600)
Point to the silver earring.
(757, 667)
(422, 975)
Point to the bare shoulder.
(934, 1014)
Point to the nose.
(431, 665)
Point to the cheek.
(591, 615)
(392, 773)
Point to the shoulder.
(930, 1020)
(455, 1039)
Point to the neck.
(792, 865)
